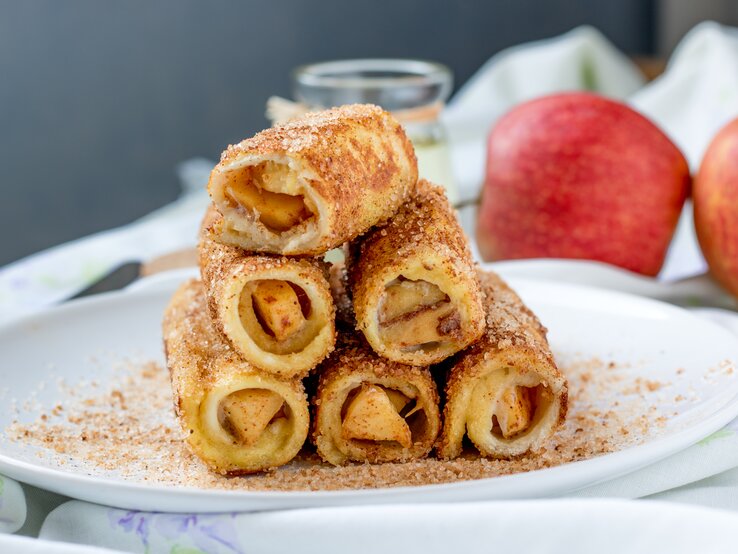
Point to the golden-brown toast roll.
(310, 185)
(237, 419)
(505, 392)
(277, 312)
(415, 290)
(368, 409)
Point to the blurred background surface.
(100, 100)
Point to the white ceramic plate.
(655, 337)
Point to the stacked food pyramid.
(400, 308)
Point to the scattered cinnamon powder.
(128, 431)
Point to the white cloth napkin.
(698, 92)
(582, 59)
(540, 526)
(13, 544)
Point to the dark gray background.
(99, 99)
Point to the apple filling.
(416, 314)
(247, 414)
(269, 191)
(276, 315)
(375, 413)
(515, 410)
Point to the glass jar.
(414, 91)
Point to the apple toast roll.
(505, 392)
(237, 419)
(415, 290)
(310, 185)
(276, 312)
(368, 409)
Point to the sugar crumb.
(129, 431)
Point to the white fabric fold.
(13, 544)
(540, 526)
(698, 92)
(12, 505)
(718, 491)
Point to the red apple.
(576, 175)
(715, 194)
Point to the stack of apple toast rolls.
(403, 312)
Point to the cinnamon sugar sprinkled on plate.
(127, 431)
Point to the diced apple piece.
(277, 211)
(399, 400)
(372, 416)
(277, 305)
(404, 297)
(514, 411)
(423, 327)
(249, 411)
(275, 177)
